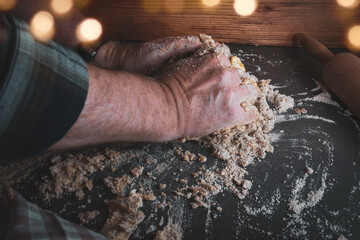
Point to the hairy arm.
(197, 98)
(122, 106)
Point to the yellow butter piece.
(236, 63)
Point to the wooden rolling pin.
(340, 73)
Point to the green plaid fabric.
(27, 221)
(43, 88)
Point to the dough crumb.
(300, 111)
(137, 171)
(309, 170)
(112, 154)
(185, 156)
(172, 231)
(162, 186)
(202, 158)
(70, 175)
(148, 196)
(117, 185)
(281, 102)
(86, 217)
(124, 216)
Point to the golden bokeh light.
(89, 30)
(354, 36)
(348, 3)
(211, 3)
(6, 5)
(42, 26)
(151, 6)
(81, 3)
(61, 6)
(174, 6)
(245, 7)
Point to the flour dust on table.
(267, 180)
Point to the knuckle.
(221, 72)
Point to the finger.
(245, 117)
(223, 59)
(182, 45)
(249, 116)
(207, 61)
(176, 46)
(224, 49)
(247, 92)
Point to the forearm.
(121, 106)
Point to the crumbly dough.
(86, 217)
(245, 143)
(117, 185)
(187, 156)
(137, 171)
(172, 231)
(70, 176)
(148, 196)
(300, 111)
(124, 216)
(237, 146)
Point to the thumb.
(156, 53)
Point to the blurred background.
(336, 23)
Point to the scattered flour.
(323, 97)
(297, 204)
(172, 231)
(237, 147)
(293, 117)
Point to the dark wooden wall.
(273, 23)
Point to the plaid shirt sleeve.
(43, 88)
(27, 221)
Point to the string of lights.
(43, 22)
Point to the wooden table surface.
(273, 23)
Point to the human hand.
(207, 94)
(194, 96)
(144, 58)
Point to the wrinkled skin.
(208, 94)
(190, 97)
(204, 89)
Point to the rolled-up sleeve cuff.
(43, 89)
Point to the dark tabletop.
(325, 139)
